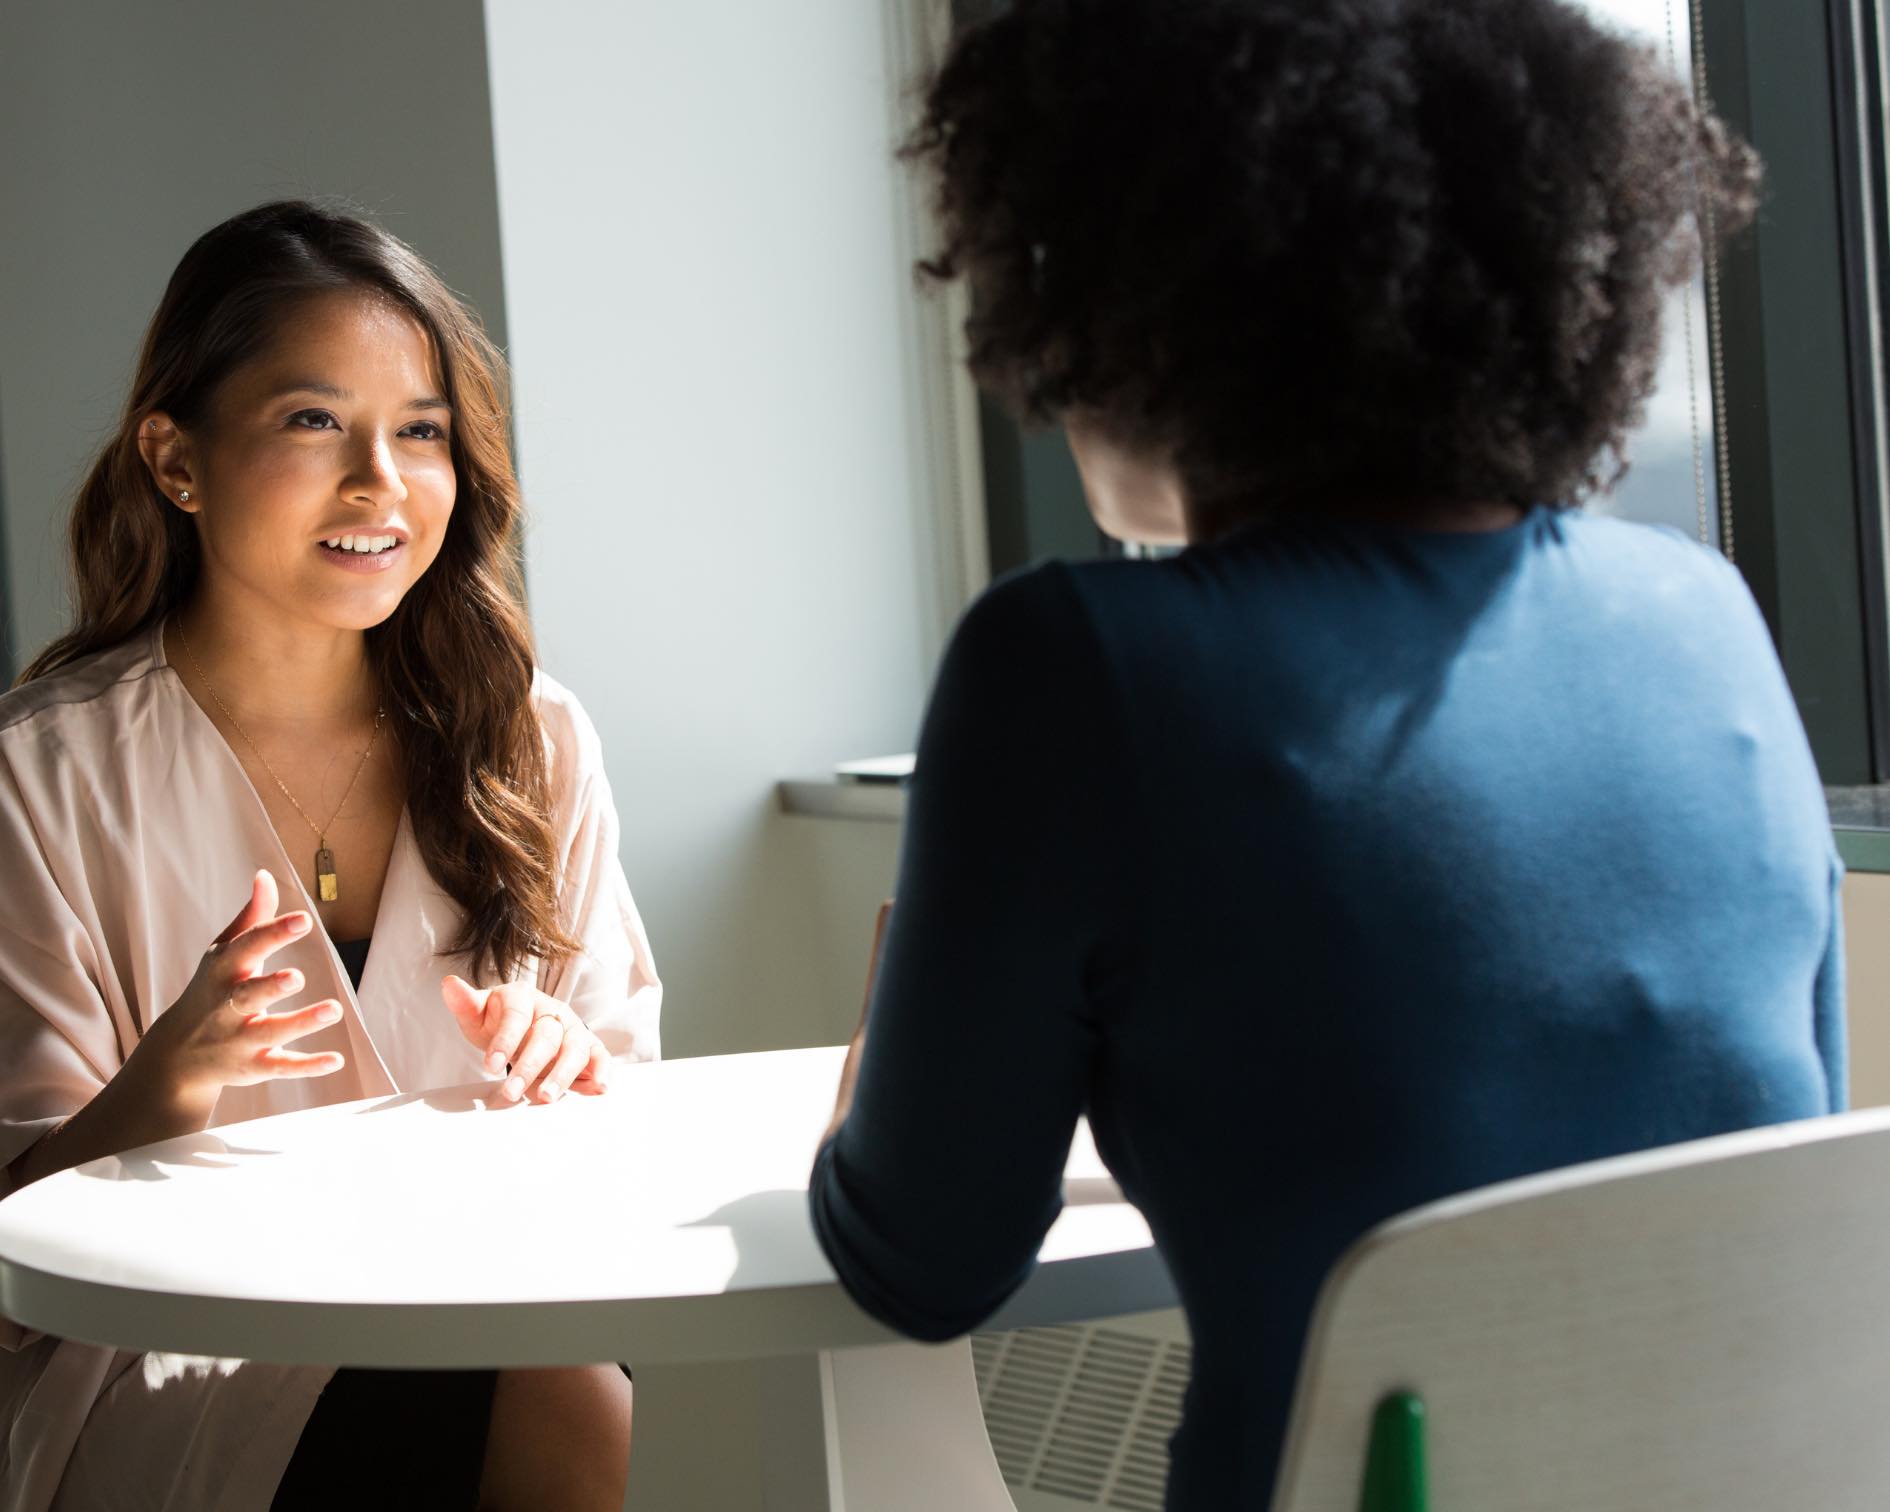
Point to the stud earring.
(183, 496)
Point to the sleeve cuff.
(873, 1272)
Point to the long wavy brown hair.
(455, 659)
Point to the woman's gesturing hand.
(220, 1032)
(547, 1045)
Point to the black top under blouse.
(353, 955)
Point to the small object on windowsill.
(875, 769)
(832, 798)
(869, 789)
(1860, 820)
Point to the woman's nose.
(375, 476)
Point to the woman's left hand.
(547, 1045)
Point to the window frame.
(1801, 350)
(9, 659)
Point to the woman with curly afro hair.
(1410, 830)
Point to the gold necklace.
(327, 884)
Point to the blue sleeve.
(1828, 1021)
(934, 1195)
(1760, 660)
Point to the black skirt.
(394, 1439)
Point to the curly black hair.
(1414, 249)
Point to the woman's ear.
(166, 456)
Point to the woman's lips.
(362, 561)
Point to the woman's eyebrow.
(329, 391)
(308, 386)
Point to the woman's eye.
(313, 420)
(425, 430)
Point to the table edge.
(739, 1325)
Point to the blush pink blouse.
(128, 836)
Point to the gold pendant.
(326, 882)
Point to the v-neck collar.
(402, 837)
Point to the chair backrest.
(1699, 1328)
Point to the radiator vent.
(1083, 1412)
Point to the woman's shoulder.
(574, 750)
(100, 690)
(1675, 582)
(1639, 541)
(1042, 607)
(1035, 649)
(1634, 552)
(68, 739)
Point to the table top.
(663, 1221)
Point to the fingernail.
(552, 1089)
(513, 1087)
(329, 1014)
(495, 1062)
(298, 922)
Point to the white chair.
(1700, 1328)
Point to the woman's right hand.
(220, 1032)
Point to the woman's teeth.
(361, 543)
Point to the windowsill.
(839, 798)
(1860, 816)
(1860, 819)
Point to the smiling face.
(322, 478)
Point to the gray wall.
(126, 130)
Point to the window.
(1674, 478)
(1801, 416)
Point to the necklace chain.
(320, 831)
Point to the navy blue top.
(1328, 871)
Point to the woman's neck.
(271, 671)
(1425, 516)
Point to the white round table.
(663, 1222)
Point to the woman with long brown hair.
(300, 677)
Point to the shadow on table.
(768, 1222)
(772, 1223)
(208, 1151)
(201, 1152)
(760, 1218)
(475, 1097)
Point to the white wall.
(126, 130)
(732, 558)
